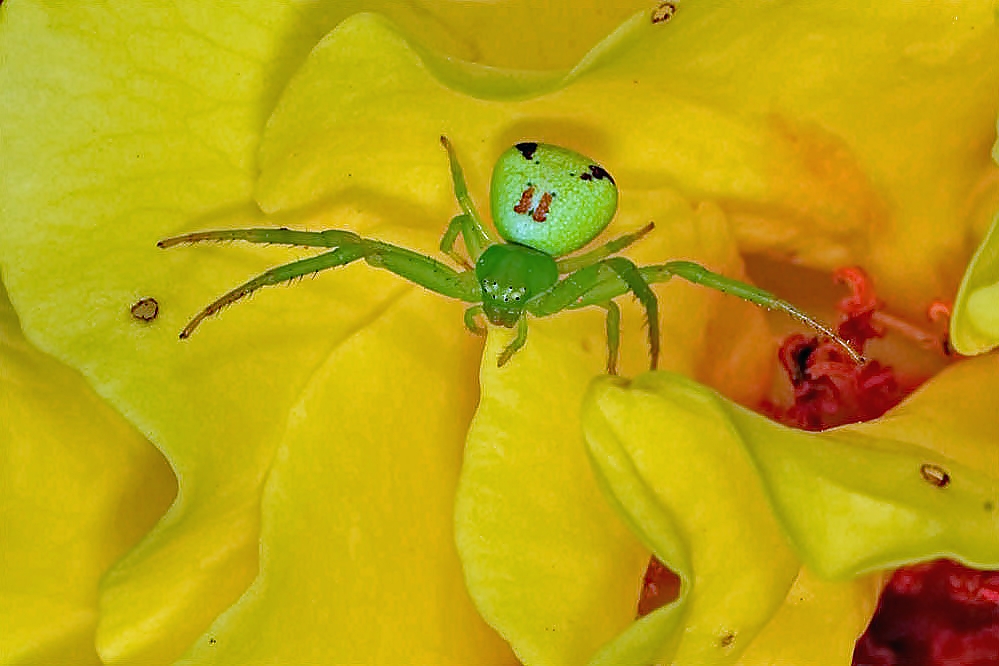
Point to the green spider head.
(510, 275)
(550, 198)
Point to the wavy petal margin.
(850, 501)
(80, 486)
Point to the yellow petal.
(848, 157)
(173, 148)
(80, 487)
(698, 478)
(116, 141)
(523, 34)
(819, 622)
(547, 561)
(358, 560)
(974, 325)
(685, 488)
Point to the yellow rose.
(325, 426)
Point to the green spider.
(546, 202)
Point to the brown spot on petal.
(663, 12)
(935, 475)
(145, 309)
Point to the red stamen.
(930, 614)
(933, 614)
(939, 311)
(829, 388)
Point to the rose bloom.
(338, 472)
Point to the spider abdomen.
(550, 198)
(510, 275)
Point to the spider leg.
(613, 335)
(482, 235)
(470, 323)
(282, 236)
(638, 285)
(413, 266)
(518, 341)
(423, 270)
(574, 289)
(614, 246)
(570, 290)
(284, 273)
(698, 274)
(611, 286)
(475, 240)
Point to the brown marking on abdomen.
(524, 205)
(540, 213)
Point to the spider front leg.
(269, 236)
(413, 266)
(568, 292)
(698, 274)
(613, 335)
(515, 345)
(610, 286)
(284, 273)
(469, 224)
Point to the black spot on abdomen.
(597, 172)
(527, 149)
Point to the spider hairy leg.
(698, 274)
(613, 335)
(423, 270)
(413, 266)
(470, 323)
(611, 286)
(638, 285)
(284, 273)
(614, 246)
(572, 288)
(576, 287)
(271, 236)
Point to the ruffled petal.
(80, 486)
(920, 483)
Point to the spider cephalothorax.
(547, 202)
(511, 275)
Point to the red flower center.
(931, 614)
